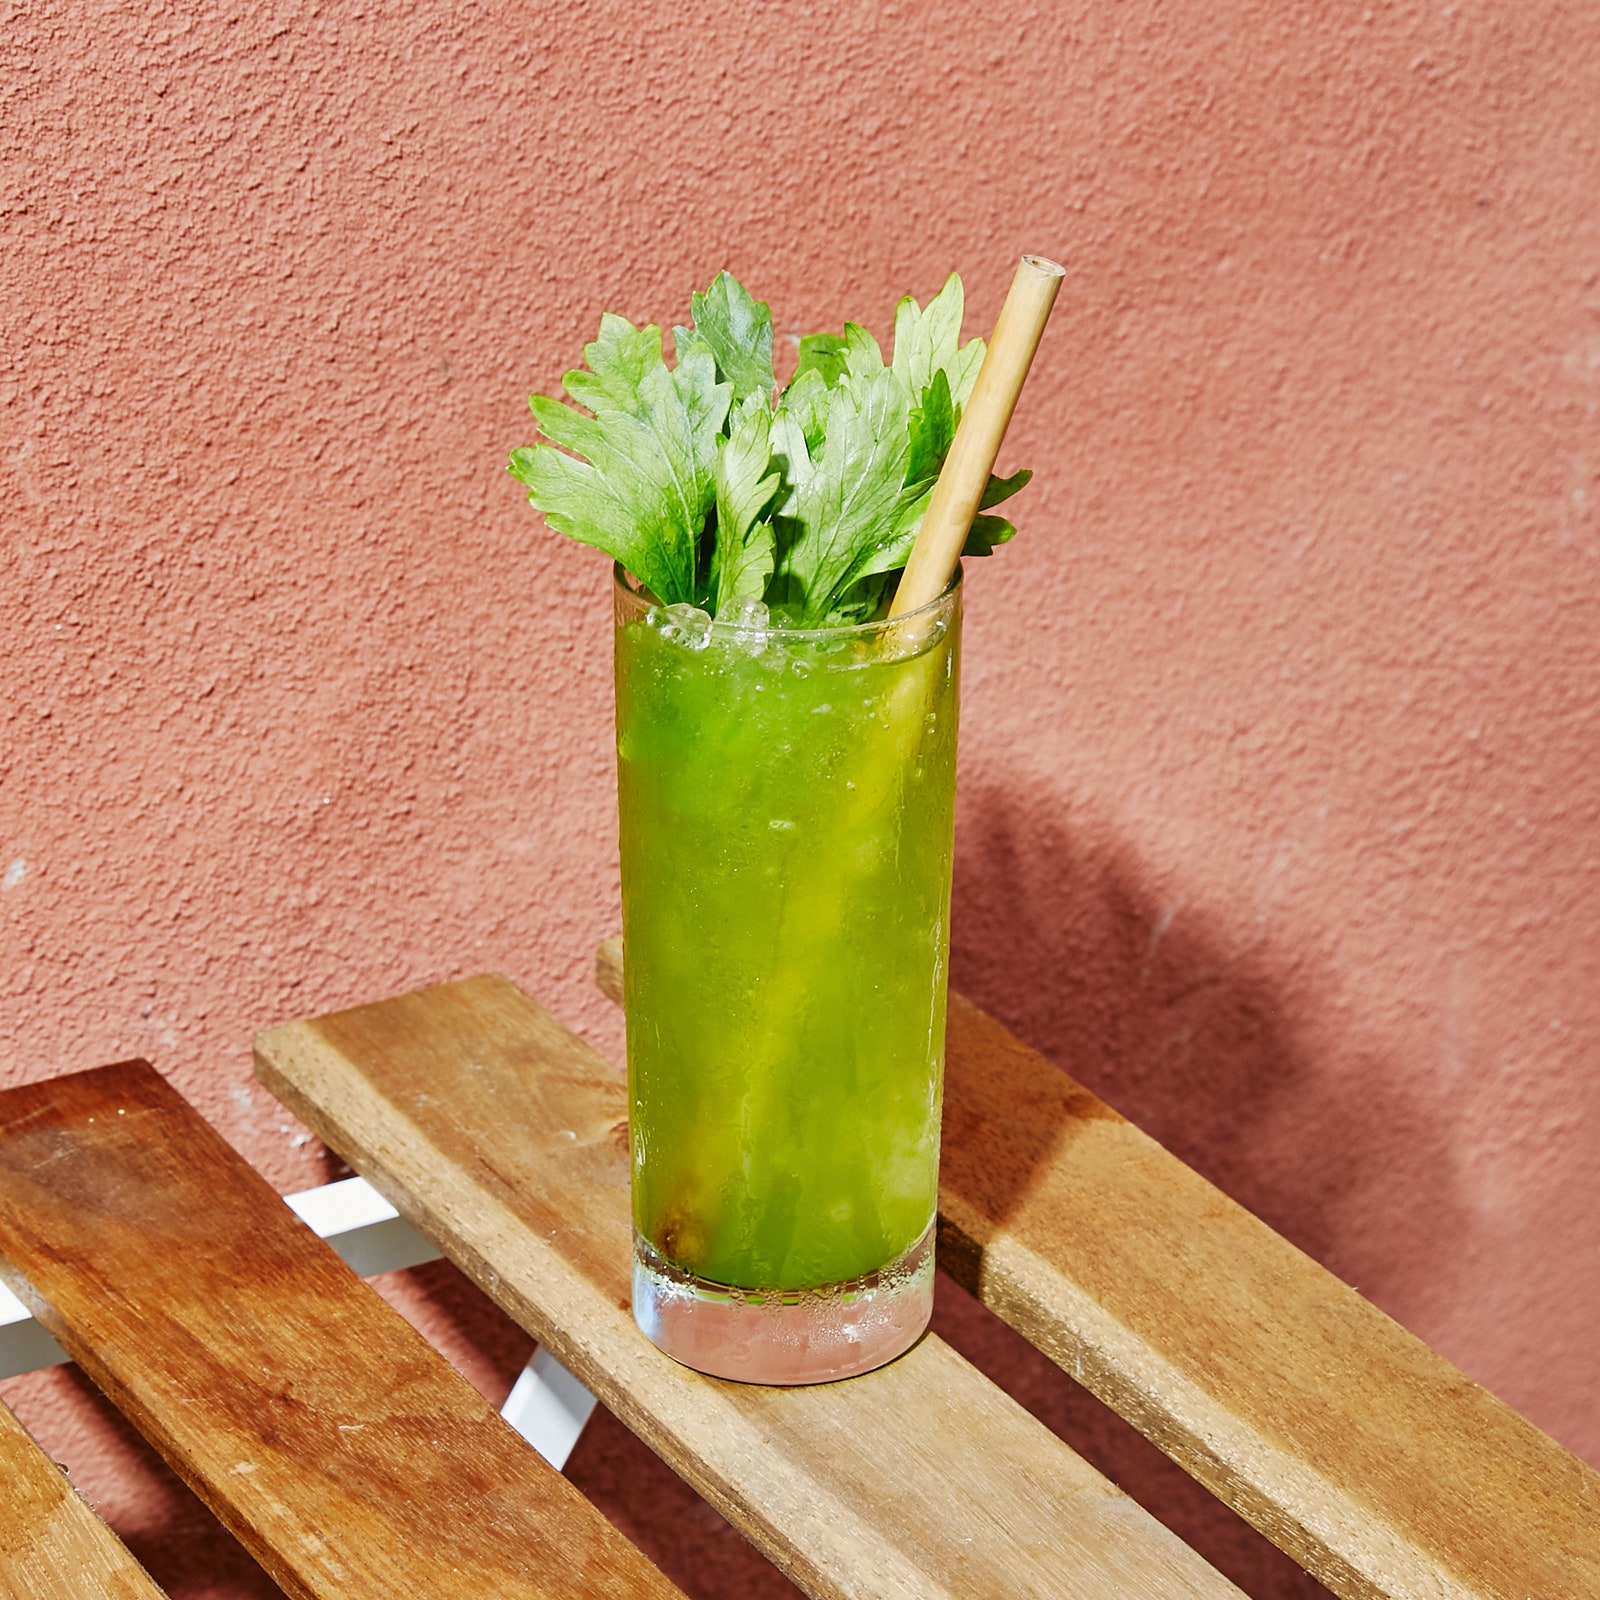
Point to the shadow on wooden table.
(1185, 1027)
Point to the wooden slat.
(52, 1546)
(1371, 1460)
(504, 1138)
(346, 1455)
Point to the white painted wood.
(24, 1345)
(548, 1407)
(362, 1226)
(336, 1208)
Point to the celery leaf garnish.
(840, 501)
(927, 340)
(745, 547)
(738, 332)
(713, 488)
(822, 353)
(647, 478)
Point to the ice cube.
(749, 621)
(686, 625)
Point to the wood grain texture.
(1347, 1441)
(504, 1138)
(52, 1546)
(345, 1454)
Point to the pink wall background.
(1280, 814)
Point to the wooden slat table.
(345, 1454)
(1374, 1462)
(353, 1462)
(503, 1137)
(52, 1546)
(1379, 1466)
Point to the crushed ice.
(750, 623)
(686, 625)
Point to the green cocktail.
(786, 807)
(786, 770)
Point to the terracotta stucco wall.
(1281, 817)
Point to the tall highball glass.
(787, 808)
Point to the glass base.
(784, 1336)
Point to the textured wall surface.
(1280, 812)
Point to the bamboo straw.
(977, 442)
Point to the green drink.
(786, 804)
(786, 771)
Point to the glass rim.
(629, 585)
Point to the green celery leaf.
(738, 332)
(834, 356)
(822, 353)
(928, 340)
(805, 406)
(863, 358)
(963, 371)
(648, 481)
(999, 489)
(925, 339)
(894, 548)
(933, 428)
(797, 431)
(985, 534)
(746, 547)
(688, 342)
(862, 601)
(839, 501)
(619, 360)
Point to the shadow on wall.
(1185, 1029)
